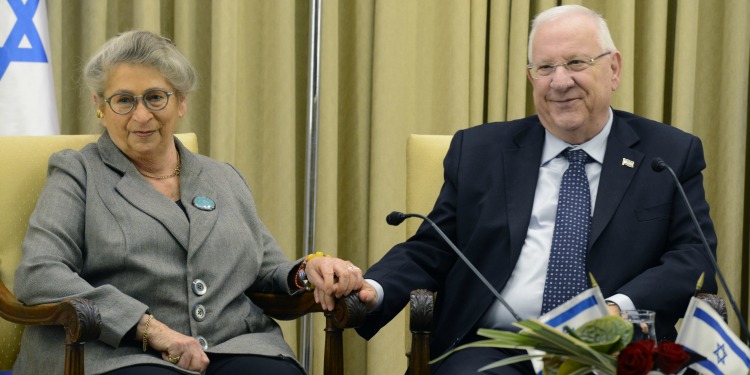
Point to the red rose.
(670, 357)
(636, 359)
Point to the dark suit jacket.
(643, 243)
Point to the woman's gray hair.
(605, 38)
(140, 48)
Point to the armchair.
(24, 167)
(424, 177)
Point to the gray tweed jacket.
(101, 232)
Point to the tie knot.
(576, 156)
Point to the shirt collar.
(595, 147)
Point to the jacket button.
(199, 312)
(199, 287)
(202, 342)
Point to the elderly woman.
(164, 241)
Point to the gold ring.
(173, 359)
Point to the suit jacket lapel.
(521, 168)
(140, 194)
(194, 183)
(616, 176)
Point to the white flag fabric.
(580, 309)
(27, 91)
(703, 331)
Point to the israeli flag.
(703, 331)
(27, 91)
(580, 309)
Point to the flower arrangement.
(602, 345)
(642, 357)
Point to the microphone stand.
(659, 165)
(396, 218)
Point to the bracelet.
(300, 279)
(145, 333)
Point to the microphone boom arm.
(659, 165)
(463, 258)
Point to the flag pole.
(311, 166)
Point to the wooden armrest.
(79, 317)
(420, 325)
(717, 303)
(349, 312)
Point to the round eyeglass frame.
(533, 69)
(135, 101)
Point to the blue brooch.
(204, 203)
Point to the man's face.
(574, 106)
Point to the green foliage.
(591, 346)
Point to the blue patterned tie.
(566, 271)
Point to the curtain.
(392, 67)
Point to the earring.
(99, 114)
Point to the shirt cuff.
(379, 290)
(623, 301)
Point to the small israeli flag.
(580, 309)
(704, 332)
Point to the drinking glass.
(643, 321)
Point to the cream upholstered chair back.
(23, 168)
(424, 174)
(424, 177)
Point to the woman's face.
(141, 133)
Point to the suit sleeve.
(424, 259)
(54, 250)
(275, 267)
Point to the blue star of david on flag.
(12, 51)
(704, 332)
(721, 354)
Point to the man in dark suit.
(500, 197)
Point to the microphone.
(395, 218)
(658, 165)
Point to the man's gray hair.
(605, 38)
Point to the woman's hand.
(183, 351)
(333, 278)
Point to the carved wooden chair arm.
(716, 302)
(79, 317)
(349, 312)
(420, 325)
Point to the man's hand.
(614, 309)
(368, 295)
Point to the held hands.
(368, 295)
(183, 351)
(333, 278)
